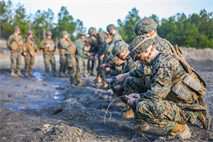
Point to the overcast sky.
(100, 13)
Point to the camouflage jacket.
(115, 70)
(93, 49)
(144, 70)
(46, 49)
(128, 66)
(15, 43)
(115, 37)
(162, 46)
(101, 44)
(30, 46)
(62, 46)
(165, 69)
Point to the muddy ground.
(46, 109)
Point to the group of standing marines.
(151, 74)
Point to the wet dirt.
(44, 108)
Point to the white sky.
(100, 13)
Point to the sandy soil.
(46, 109)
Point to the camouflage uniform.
(115, 37)
(48, 55)
(62, 46)
(128, 66)
(73, 66)
(153, 106)
(15, 45)
(132, 83)
(93, 51)
(31, 48)
(101, 38)
(114, 70)
(84, 62)
(73, 62)
(69, 42)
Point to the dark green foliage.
(196, 30)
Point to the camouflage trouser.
(134, 85)
(73, 66)
(93, 66)
(15, 58)
(101, 72)
(63, 63)
(164, 114)
(29, 61)
(82, 62)
(49, 59)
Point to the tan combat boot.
(99, 83)
(13, 74)
(98, 79)
(61, 74)
(180, 130)
(128, 114)
(26, 73)
(104, 85)
(19, 74)
(81, 84)
(205, 119)
(31, 74)
(85, 74)
(66, 74)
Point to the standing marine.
(15, 45)
(73, 51)
(101, 38)
(48, 47)
(29, 53)
(62, 46)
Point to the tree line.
(196, 30)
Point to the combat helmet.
(110, 27)
(16, 28)
(92, 31)
(145, 25)
(64, 33)
(48, 33)
(119, 47)
(82, 33)
(29, 32)
(140, 45)
(113, 59)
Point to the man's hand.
(109, 65)
(108, 69)
(91, 58)
(135, 95)
(96, 57)
(103, 66)
(101, 57)
(48, 45)
(122, 77)
(25, 53)
(117, 87)
(108, 80)
(130, 100)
